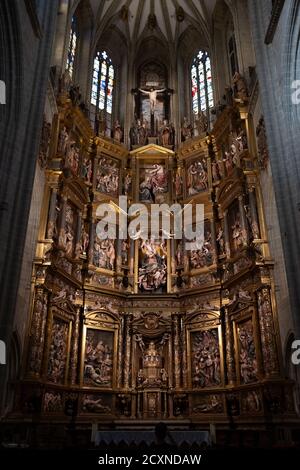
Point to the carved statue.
(165, 134)
(152, 97)
(117, 133)
(186, 130)
(201, 122)
(240, 87)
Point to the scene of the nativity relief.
(145, 328)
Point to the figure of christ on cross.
(152, 97)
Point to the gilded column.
(37, 332)
(92, 240)
(244, 224)
(52, 214)
(268, 334)
(170, 353)
(184, 354)
(230, 359)
(226, 235)
(127, 352)
(120, 354)
(61, 227)
(253, 212)
(78, 237)
(214, 240)
(75, 349)
(176, 352)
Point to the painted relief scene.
(247, 354)
(152, 273)
(205, 360)
(204, 256)
(196, 177)
(107, 177)
(104, 253)
(57, 359)
(153, 186)
(238, 234)
(98, 359)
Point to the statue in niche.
(152, 97)
(220, 241)
(215, 171)
(165, 134)
(238, 234)
(262, 145)
(201, 122)
(117, 132)
(133, 136)
(240, 87)
(124, 251)
(186, 130)
(127, 184)
(72, 157)
(87, 170)
(179, 253)
(141, 133)
(63, 141)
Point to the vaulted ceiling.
(166, 18)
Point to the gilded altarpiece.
(136, 329)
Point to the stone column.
(75, 346)
(268, 333)
(229, 348)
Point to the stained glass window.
(103, 86)
(202, 90)
(72, 47)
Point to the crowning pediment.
(152, 150)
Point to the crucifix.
(152, 97)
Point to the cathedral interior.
(142, 105)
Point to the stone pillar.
(170, 353)
(268, 333)
(52, 214)
(230, 359)
(75, 348)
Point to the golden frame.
(114, 332)
(191, 331)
